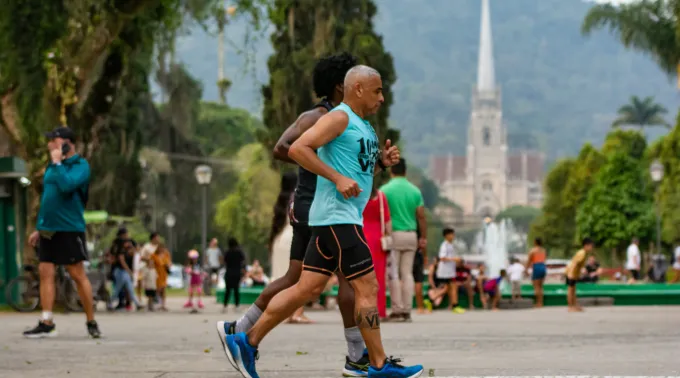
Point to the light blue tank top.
(353, 154)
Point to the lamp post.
(656, 171)
(203, 176)
(170, 221)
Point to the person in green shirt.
(407, 211)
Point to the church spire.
(486, 80)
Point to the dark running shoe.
(42, 330)
(93, 329)
(357, 369)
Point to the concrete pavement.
(550, 341)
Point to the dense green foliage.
(619, 206)
(605, 195)
(303, 32)
(246, 212)
(560, 89)
(668, 151)
(641, 113)
(521, 217)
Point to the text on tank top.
(306, 186)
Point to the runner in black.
(328, 81)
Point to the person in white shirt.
(149, 276)
(446, 268)
(676, 264)
(633, 260)
(142, 258)
(515, 272)
(213, 254)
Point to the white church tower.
(488, 178)
(487, 149)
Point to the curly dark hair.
(288, 183)
(330, 71)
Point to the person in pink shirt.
(377, 230)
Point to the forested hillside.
(560, 89)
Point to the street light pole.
(204, 221)
(203, 176)
(170, 222)
(656, 170)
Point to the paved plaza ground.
(550, 341)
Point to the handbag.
(385, 240)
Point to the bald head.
(363, 89)
(358, 74)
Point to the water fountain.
(495, 247)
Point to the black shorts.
(418, 276)
(571, 282)
(150, 293)
(442, 281)
(342, 247)
(302, 234)
(62, 248)
(635, 273)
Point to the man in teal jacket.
(60, 232)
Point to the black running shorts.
(340, 247)
(302, 234)
(62, 248)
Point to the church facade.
(488, 179)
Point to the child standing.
(574, 273)
(446, 268)
(149, 277)
(193, 269)
(516, 272)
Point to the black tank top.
(306, 186)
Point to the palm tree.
(641, 113)
(649, 26)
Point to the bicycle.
(23, 292)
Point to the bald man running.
(348, 156)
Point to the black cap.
(62, 132)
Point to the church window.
(486, 134)
(486, 186)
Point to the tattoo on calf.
(368, 318)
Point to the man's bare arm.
(304, 122)
(422, 221)
(329, 127)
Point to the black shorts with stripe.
(62, 248)
(340, 248)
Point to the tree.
(553, 225)
(668, 152)
(632, 142)
(641, 113)
(649, 26)
(618, 207)
(521, 216)
(246, 212)
(428, 188)
(306, 31)
(221, 130)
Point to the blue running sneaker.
(243, 354)
(224, 329)
(392, 369)
(357, 369)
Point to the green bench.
(555, 294)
